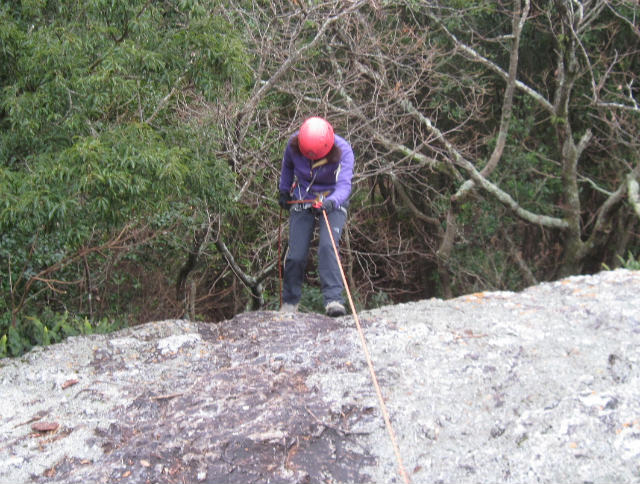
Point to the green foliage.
(378, 300)
(92, 137)
(311, 299)
(631, 263)
(527, 170)
(48, 329)
(119, 117)
(480, 260)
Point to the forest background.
(496, 142)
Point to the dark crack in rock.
(536, 386)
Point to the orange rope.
(280, 253)
(383, 406)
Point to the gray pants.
(301, 227)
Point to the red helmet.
(315, 138)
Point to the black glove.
(323, 205)
(283, 200)
(328, 206)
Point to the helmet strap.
(319, 163)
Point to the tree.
(140, 146)
(452, 126)
(99, 162)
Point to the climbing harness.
(383, 407)
(303, 201)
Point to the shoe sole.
(335, 314)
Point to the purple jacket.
(333, 177)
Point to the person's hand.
(284, 199)
(323, 205)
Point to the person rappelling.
(316, 173)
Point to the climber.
(317, 167)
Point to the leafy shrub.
(51, 328)
(95, 146)
(631, 263)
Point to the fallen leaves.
(69, 383)
(51, 472)
(44, 427)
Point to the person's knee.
(296, 260)
(326, 252)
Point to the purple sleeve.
(343, 182)
(286, 171)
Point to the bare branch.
(476, 176)
(629, 187)
(521, 263)
(635, 108)
(409, 203)
(165, 100)
(633, 189)
(294, 57)
(128, 237)
(475, 56)
(254, 284)
(632, 26)
(507, 103)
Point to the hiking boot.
(335, 309)
(288, 308)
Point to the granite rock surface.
(537, 386)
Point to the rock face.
(537, 386)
